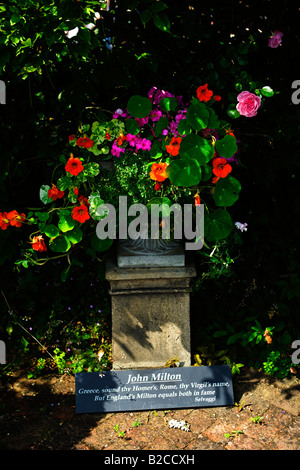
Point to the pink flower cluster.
(275, 40)
(137, 142)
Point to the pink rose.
(248, 104)
(275, 40)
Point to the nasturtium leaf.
(42, 216)
(164, 202)
(267, 91)
(66, 223)
(194, 146)
(44, 194)
(64, 182)
(226, 191)
(206, 172)
(183, 127)
(169, 103)
(97, 208)
(132, 126)
(217, 225)
(100, 245)
(155, 151)
(75, 235)
(213, 121)
(139, 106)
(51, 231)
(184, 172)
(160, 125)
(91, 169)
(60, 244)
(226, 147)
(232, 111)
(197, 115)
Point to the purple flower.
(241, 227)
(275, 39)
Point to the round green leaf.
(100, 245)
(217, 225)
(60, 244)
(51, 231)
(164, 202)
(267, 91)
(226, 147)
(206, 172)
(197, 115)
(75, 235)
(44, 194)
(139, 106)
(232, 111)
(160, 125)
(226, 191)
(66, 223)
(184, 172)
(91, 169)
(132, 126)
(169, 103)
(183, 127)
(194, 146)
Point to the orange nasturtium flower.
(15, 219)
(4, 222)
(55, 193)
(203, 94)
(74, 166)
(221, 168)
(38, 243)
(174, 145)
(158, 171)
(80, 213)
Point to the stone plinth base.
(150, 315)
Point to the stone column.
(150, 315)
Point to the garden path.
(39, 414)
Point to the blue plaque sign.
(154, 389)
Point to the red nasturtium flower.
(221, 168)
(203, 94)
(80, 213)
(15, 219)
(83, 200)
(38, 243)
(55, 193)
(174, 145)
(71, 137)
(85, 142)
(217, 98)
(158, 172)
(4, 222)
(197, 200)
(157, 186)
(74, 166)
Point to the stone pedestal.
(150, 315)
